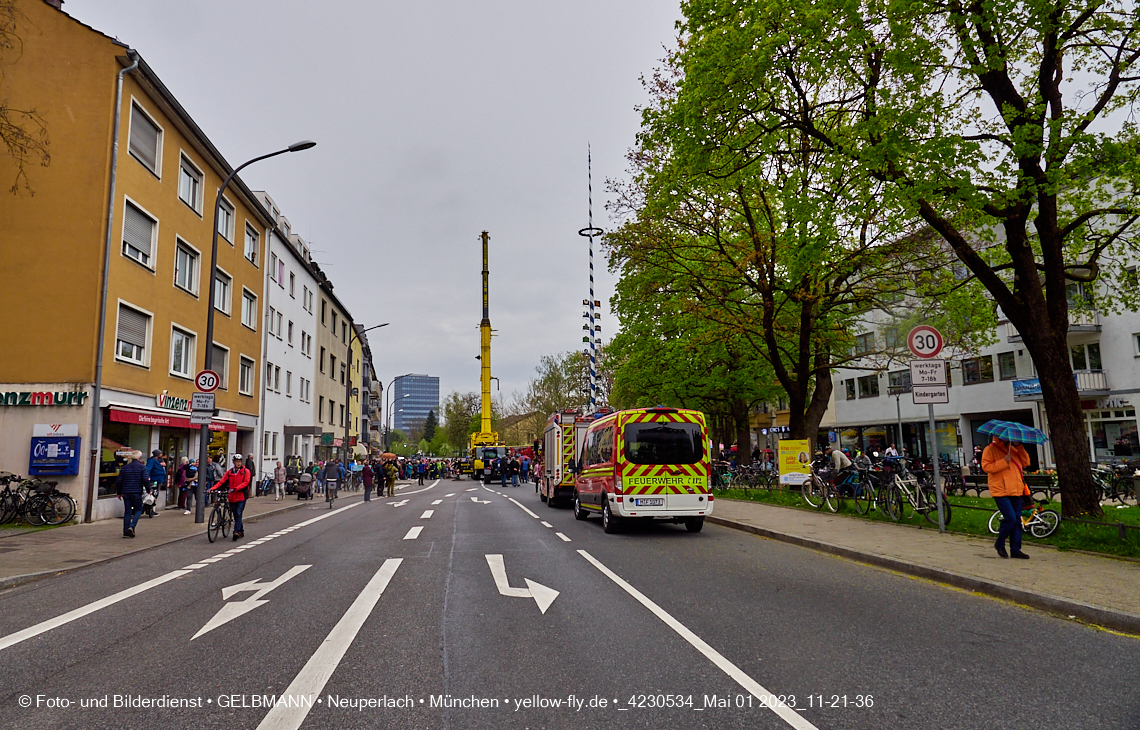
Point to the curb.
(18, 580)
(1098, 615)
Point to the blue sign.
(54, 456)
(1028, 388)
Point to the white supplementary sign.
(201, 418)
(928, 372)
(230, 611)
(542, 595)
(207, 381)
(202, 402)
(924, 341)
(928, 394)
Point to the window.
(252, 243)
(190, 185)
(1007, 366)
(320, 409)
(277, 379)
(186, 268)
(272, 317)
(288, 384)
(334, 324)
(268, 375)
(289, 339)
(226, 220)
(332, 410)
(332, 366)
(869, 386)
(222, 292)
(181, 353)
(273, 266)
(309, 301)
(1085, 357)
(221, 365)
(342, 373)
(324, 309)
(655, 443)
(281, 273)
(245, 376)
(344, 332)
(131, 335)
(865, 343)
(849, 386)
(306, 349)
(146, 139)
(293, 285)
(341, 415)
(1136, 344)
(248, 309)
(893, 338)
(139, 231)
(278, 325)
(978, 370)
(322, 359)
(899, 381)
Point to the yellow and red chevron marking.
(662, 478)
(567, 453)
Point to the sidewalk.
(1102, 591)
(27, 557)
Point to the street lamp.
(387, 415)
(203, 450)
(388, 422)
(348, 383)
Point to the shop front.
(913, 441)
(1113, 434)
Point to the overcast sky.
(433, 122)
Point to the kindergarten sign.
(795, 461)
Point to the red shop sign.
(161, 419)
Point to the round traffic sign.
(207, 381)
(924, 341)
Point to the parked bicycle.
(907, 495)
(1037, 520)
(34, 501)
(1116, 482)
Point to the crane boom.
(485, 436)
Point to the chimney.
(57, 4)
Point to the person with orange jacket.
(237, 479)
(1003, 463)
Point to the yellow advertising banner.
(795, 461)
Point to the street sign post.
(201, 418)
(202, 402)
(207, 381)
(929, 386)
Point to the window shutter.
(138, 230)
(220, 362)
(132, 326)
(144, 139)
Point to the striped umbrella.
(1010, 431)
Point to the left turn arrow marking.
(230, 611)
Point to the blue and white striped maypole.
(592, 327)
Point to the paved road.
(357, 606)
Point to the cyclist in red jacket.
(237, 479)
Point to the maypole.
(592, 326)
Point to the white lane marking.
(474, 489)
(414, 533)
(564, 538)
(754, 688)
(316, 672)
(430, 486)
(427, 514)
(546, 524)
(438, 501)
(450, 494)
(476, 500)
(229, 611)
(82, 611)
(211, 560)
(524, 509)
(195, 566)
(401, 503)
(542, 595)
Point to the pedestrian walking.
(366, 477)
(129, 485)
(514, 469)
(1003, 463)
(390, 473)
(278, 482)
(237, 480)
(420, 471)
(156, 478)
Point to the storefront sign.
(171, 403)
(326, 439)
(1028, 389)
(42, 398)
(54, 456)
(795, 461)
(55, 429)
(161, 419)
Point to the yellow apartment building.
(152, 212)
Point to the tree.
(430, 425)
(23, 131)
(1001, 126)
(458, 410)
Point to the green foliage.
(430, 424)
(458, 411)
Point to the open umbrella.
(1010, 431)
(387, 455)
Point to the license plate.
(651, 502)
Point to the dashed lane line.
(524, 509)
(438, 501)
(427, 514)
(753, 687)
(414, 533)
(564, 538)
(546, 524)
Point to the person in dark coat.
(129, 486)
(366, 475)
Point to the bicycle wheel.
(930, 507)
(9, 507)
(65, 505)
(227, 519)
(54, 509)
(36, 510)
(1045, 523)
(214, 525)
(894, 502)
(864, 496)
(831, 497)
(995, 522)
(812, 491)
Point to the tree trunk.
(743, 433)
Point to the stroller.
(305, 486)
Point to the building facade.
(414, 395)
(155, 306)
(331, 378)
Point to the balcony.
(1087, 321)
(1090, 384)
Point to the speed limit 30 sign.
(207, 381)
(924, 341)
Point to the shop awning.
(167, 419)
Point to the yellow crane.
(485, 445)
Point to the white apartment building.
(997, 382)
(289, 336)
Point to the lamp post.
(388, 422)
(203, 450)
(387, 415)
(348, 383)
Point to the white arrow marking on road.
(476, 500)
(542, 595)
(230, 611)
(401, 503)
